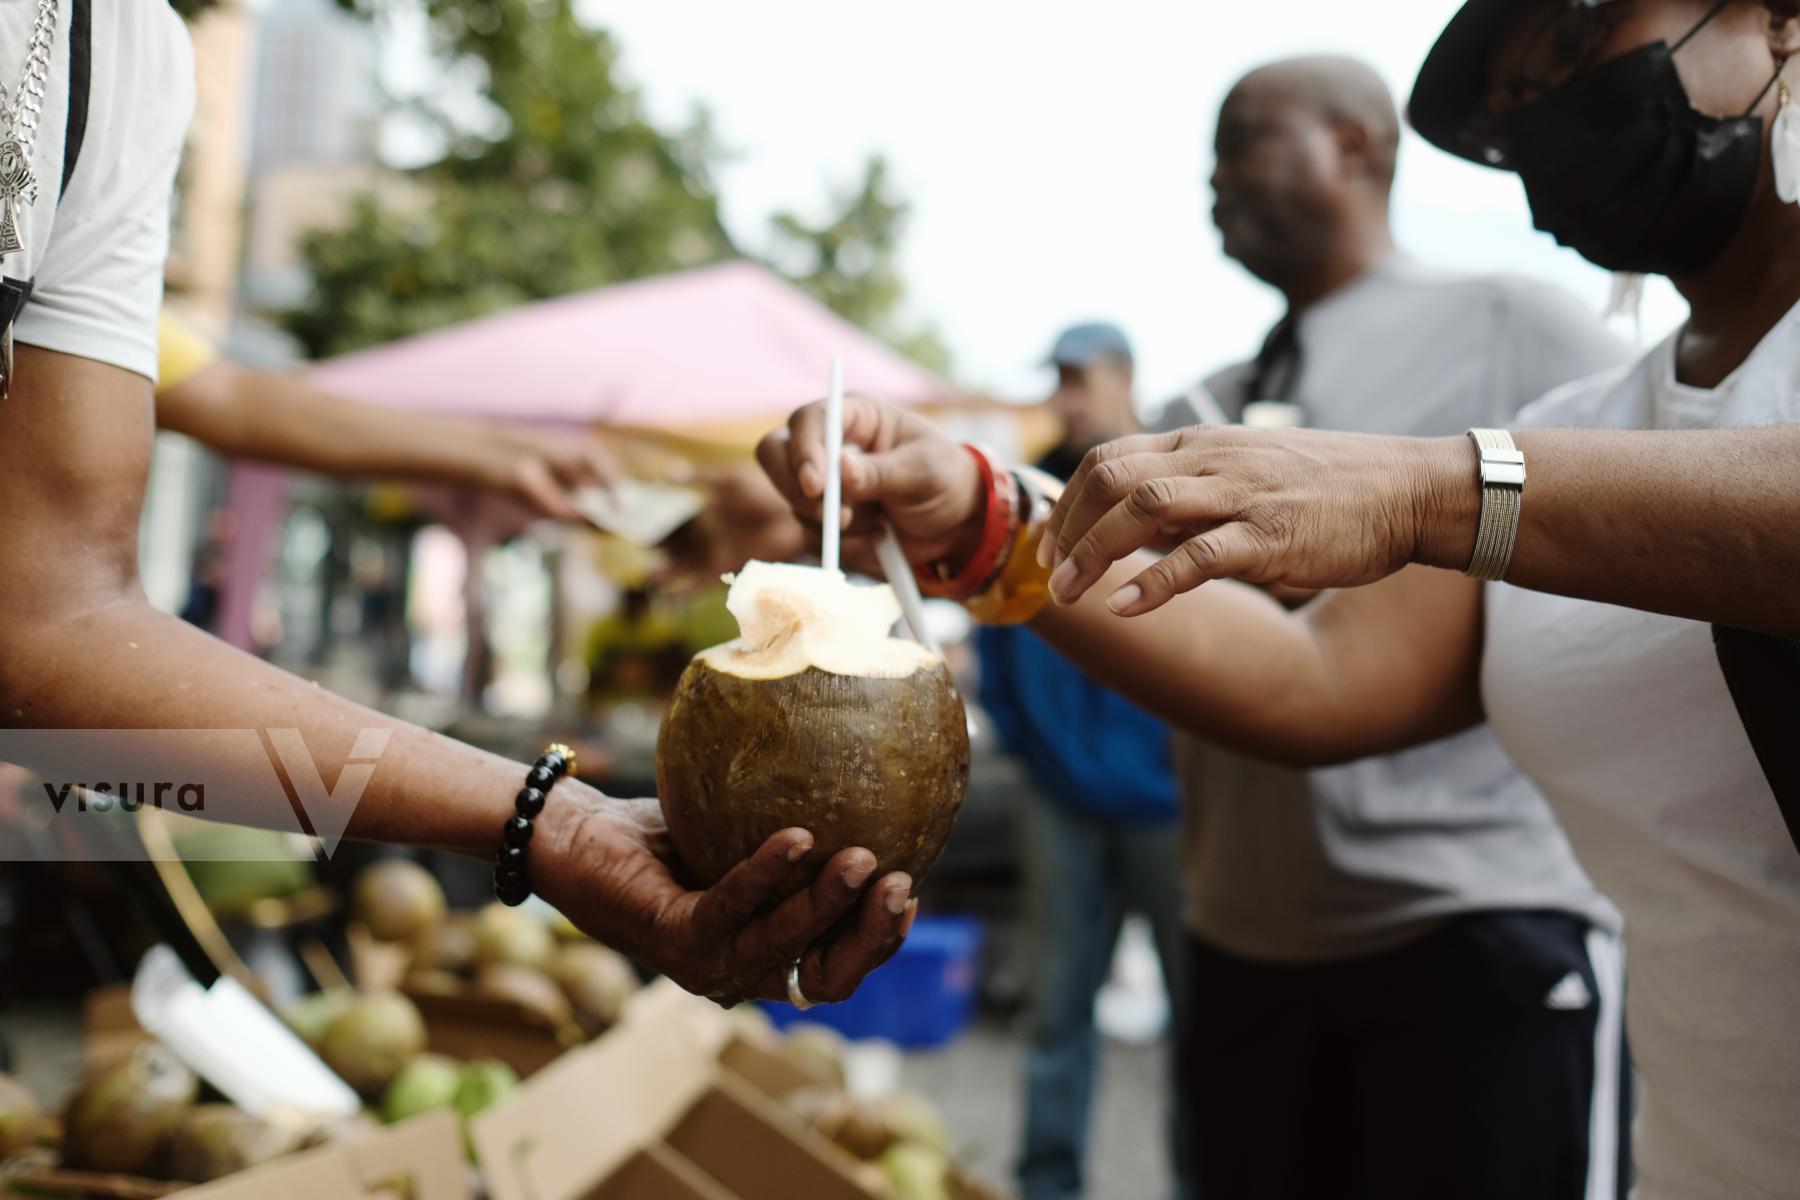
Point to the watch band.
(1502, 493)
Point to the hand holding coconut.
(610, 867)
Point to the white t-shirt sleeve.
(97, 280)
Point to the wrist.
(968, 569)
(1446, 501)
(972, 500)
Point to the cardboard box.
(758, 1150)
(647, 1107)
(658, 1173)
(421, 1159)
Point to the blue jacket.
(1086, 747)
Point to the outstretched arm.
(1352, 674)
(1703, 524)
(80, 649)
(249, 413)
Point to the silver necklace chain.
(18, 181)
(21, 113)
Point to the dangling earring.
(1784, 146)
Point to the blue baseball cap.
(1085, 344)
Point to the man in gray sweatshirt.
(1404, 985)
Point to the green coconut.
(916, 1172)
(312, 1014)
(121, 1118)
(374, 1038)
(425, 1084)
(216, 1140)
(398, 899)
(814, 717)
(482, 1085)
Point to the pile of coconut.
(900, 1137)
(570, 983)
(144, 1115)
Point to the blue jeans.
(1083, 874)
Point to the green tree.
(558, 183)
(553, 179)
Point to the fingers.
(831, 972)
(803, 919)
(1228, 552)
(541, 490)
(913, 472)
(867, 424)
(724, 909)
(1102, 480)
(1149, 510)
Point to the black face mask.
(1618, 166)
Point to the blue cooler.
(921, 998)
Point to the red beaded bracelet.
(999, 521)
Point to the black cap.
(1453, 83)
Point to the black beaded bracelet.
(512, 886)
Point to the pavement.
(976, 1082)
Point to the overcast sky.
(1055, 155)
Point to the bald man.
(1404, 985)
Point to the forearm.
(1228, 663)
(1703, 524)
(121, 665)
(261, 415)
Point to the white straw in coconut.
(906, 588)
(834, 465)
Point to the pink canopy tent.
(717, 350)
(720, 344)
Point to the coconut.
(374, 1038)
(813, 717)
(425, 1084)
(312, 1014)
(910, 1117)
(398, 899)
(482, 1085)
(449, 946)
(120, 1119)
(597, 980)
(20, 1117)
(531, 990)
(216, 1140)
(816, 1051)
(916, 1172)
(428, 982)
(507, 936)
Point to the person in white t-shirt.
(83, 652)
(1653, 136)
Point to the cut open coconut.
(813, 717)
